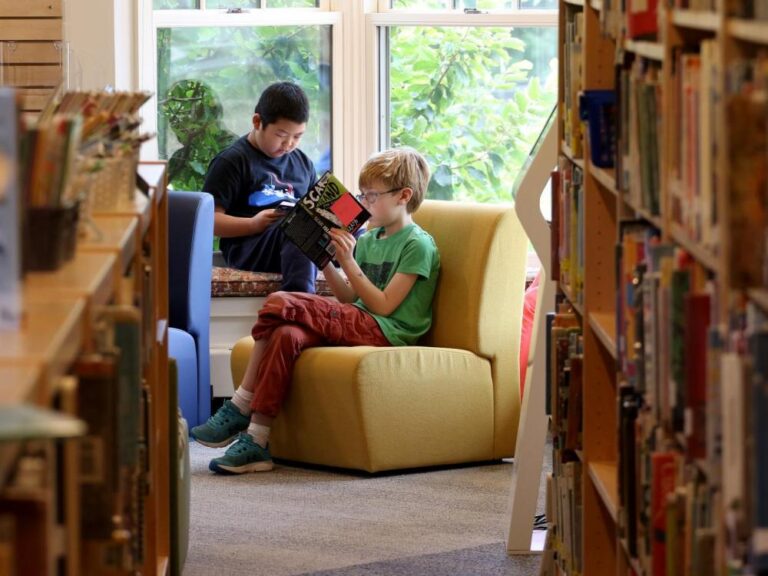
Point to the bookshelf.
(120, 273)
(661, 256)
(696, 19)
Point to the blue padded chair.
(190, 245)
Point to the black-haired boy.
(265, 162)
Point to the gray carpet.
(296, 521)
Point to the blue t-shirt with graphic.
(242, 178)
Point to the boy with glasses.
(385, 300)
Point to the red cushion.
(529, 311)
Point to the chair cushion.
(181, 347)
(375, 409)
(233, 282)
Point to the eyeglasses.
(371, 197)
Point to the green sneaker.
(222, 427)
(243, 456)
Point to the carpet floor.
(297, 521)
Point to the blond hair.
(398, 168)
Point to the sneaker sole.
(253, 467)
(221, 444)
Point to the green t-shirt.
(409, 251)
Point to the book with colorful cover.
(327, 204)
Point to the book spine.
(10, 214)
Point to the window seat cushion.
(230, 282)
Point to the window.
(210, 67)
(470, 90)
(226, 4)
(472, 98)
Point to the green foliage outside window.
(473, 100)
(209, 80)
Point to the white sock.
(259, 433)
(242, 399)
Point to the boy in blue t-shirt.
(384, 300)
(262, 164)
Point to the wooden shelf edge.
(759, 296)
(604, 476)
(702, 255)
(633, 561)
(605, 178)
(568, 153)
(650, 50)
(696, 19)
(645, 214)
(604, 325)
(565, 289)
(753, 31)
(575, 2)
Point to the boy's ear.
(256, 121)
(405, 195)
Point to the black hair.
(284, 100)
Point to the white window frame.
(357, 80)
(376, 37)
(150, 21)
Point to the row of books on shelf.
(104, 405)
(639, 130)
(691, 417)
(693, 176)
(568, 228)
(79, 156)
(747, 117)
(693, 160)
(572, 81)
(564, 393)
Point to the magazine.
(328, 204)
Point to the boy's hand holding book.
(344, 243)
(264, 219)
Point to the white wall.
(101, 38)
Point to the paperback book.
(327, 205)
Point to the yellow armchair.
(452, 399)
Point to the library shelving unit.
(48, 476)
(689, 173)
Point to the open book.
(328, 204)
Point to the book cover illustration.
(328, 204)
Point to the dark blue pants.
(271, 251)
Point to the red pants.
(293, 321)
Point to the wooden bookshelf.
(749, 31)
(604, 476)
(604, 326)
(645, 215)
(696, 20)
(572, 299)
(37, 362)
(568, 153)
(759, 297)
(685, 193)
(702, 255)
(605, 177)
(650, 50)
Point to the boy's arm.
(381, 302)
(227, 226)
(341, 289)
